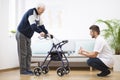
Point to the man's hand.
(81, 51)
(87, 54)
(42, 34)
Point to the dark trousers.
(97, 64)
(24, 51)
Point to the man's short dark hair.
(95, 28)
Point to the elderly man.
(30, 23)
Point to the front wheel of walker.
(37, 71)
(67, 69)
(61, 71)
(45, 69)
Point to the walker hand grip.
(50, 36)
(65, 41)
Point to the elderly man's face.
(41, 10)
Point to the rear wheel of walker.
(45, 69)
(67, 69)
(61, 71)
(37, 71)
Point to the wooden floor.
(52, 75)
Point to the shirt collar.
(36, 11)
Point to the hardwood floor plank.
(52, 75)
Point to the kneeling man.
(101, 57)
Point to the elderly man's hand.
(42, 34)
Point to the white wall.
(8, 53)
(72, 18)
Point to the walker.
(55, 54)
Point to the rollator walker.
(55, 54)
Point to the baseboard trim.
(8, 69)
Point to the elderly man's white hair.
(41, 5)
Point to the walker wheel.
(45, 69)
(67, 69)
(61, 71)
(37, 71)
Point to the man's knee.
(89, 62)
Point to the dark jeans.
(97, 64)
